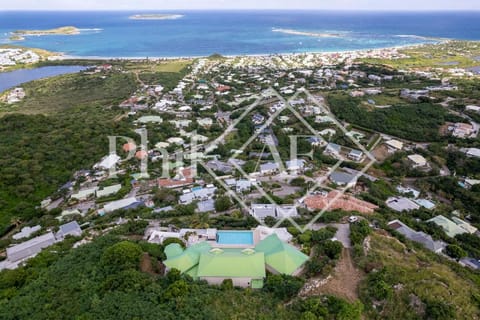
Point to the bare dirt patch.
(342, 283)
(147, 265)
(381, 153)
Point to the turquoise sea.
(201, 33)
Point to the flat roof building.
(400, 204)
(451, 228)
(416, 236)
(30, 248)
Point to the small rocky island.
(19, 35)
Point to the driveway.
(343, 232)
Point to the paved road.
(343, 232)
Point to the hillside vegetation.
(62, 126)
(415, 284)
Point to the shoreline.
(258, 55)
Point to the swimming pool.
(235, 237)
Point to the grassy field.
(160, 66)
(418, 274)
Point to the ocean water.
(201, 33)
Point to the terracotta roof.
(127, 147)
(344, 202)
(223, 88)
(142, 154)
(185, 177)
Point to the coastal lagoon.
(15, 78)
(202, 33)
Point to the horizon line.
(240, 9)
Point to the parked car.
(353, 219)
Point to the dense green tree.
(283, 286)
(223, 203)
(455, 251)
(121, 256)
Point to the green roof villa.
(245, 266)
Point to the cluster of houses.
(19, 253)
(11, 57)
(452, 228)
(193, 103)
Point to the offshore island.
(19, 35)
(160, 16)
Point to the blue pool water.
(235, 237)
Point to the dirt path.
(343, 282)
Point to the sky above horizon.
(135, 5)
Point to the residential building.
(108, 191)
(408, 190)
(124, 204)
(30, 248)
(183, 178)
(465, 225)
(108, 162)
(220, 166)
(472, 152)
(284, 211)
(470, 263)
(472, 108)
(316, 141)
(462, 130)
(295, 165)
(394, 145)
(69, 229)
(149, 119)
(281, 257)
(343, 179)
(199, 193)
(356, 155)
(26, 232)
(417, 236)
(243, 185)
(269, 168)
(333, 150)
(246, 267)
(451, 228)
(261, 211)
(401, 204)
(418, 161)
(414, 95)
(258, 119)
(84, 194)
(469, 183)
(324, 119)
